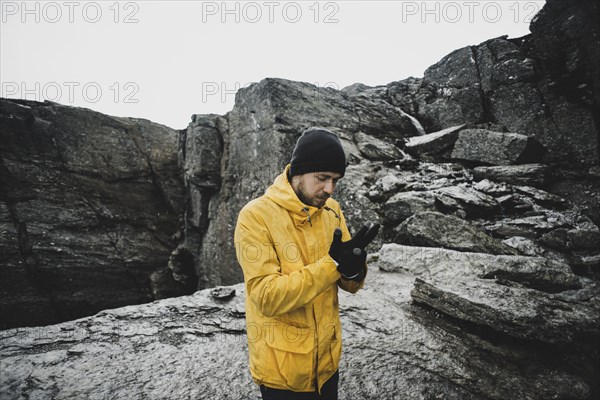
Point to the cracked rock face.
(251, 146)
(186, 347)
(542, 85)
(88, 208)
(162, 350)
(517, 311)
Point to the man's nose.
(329, 187)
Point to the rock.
(402, 94)
(448, 265)
(181, 263)
(133, 352)
(496, 148)
(375, 149)
(444, 170)
(525, 174)
(200, 152)
(540, 196)
(164, 284)
(529, 226)
(390, 184)
(585, 264)
(515, 204)
(78, 241)
(492, 188)
(383, 120)
(433, 229)
(504, 229)
(522, 95)
(580, 191)
(561, 245)
(565, 41)
(474, 202)
(433, 143)
(517, 311)
(450, 92)
(222, 293)
(525, 246)
(404, 204)
(530, 248)
(572, 239)
(360, 88)
(137, 351)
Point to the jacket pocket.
(293, 348)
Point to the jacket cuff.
(328, 265)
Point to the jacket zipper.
(305, 209)
(316, 350)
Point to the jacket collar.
(282, 193)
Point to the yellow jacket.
(292, 314)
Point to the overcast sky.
(167, 60)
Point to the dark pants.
(328, 392)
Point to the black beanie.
(318, 150)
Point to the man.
(289, 245)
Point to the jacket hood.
(282, 193)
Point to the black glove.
(361, 239)
(351, 255)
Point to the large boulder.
(467, 198)
(433, 229)
(377, 150)
(524, 174)
(433, 144)
(90, 209)
(496, 148)
(572, 239)
(440, 263)
(517, 311)
(404, 204)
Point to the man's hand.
(362, 238)
(351, 255)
